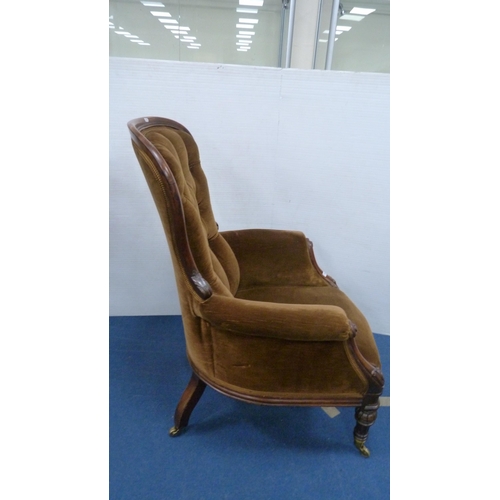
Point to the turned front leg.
(365, 416)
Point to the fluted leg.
(188, 401)
(365, 416)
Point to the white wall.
(281, 148)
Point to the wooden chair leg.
(365, 417)
(188, 401)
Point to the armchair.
(262, 322)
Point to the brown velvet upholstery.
(262, 322)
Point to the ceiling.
(211, 33)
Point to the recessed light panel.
(158, 13)
(153, 4)
(252, 3)
(349, 17)
(362, 12)
(248, 20)
(247, 11)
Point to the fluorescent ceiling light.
(252, 3)
(189, 37)
(247, 32)
(131, 36)
(343, 28)
(248, 11)
(244, 42)
(153, 4)
(144, 43)
(339, 32)
(185, 28)
(171, 27)
(177, 32)
(157, 13)
(247, 26)
(242, 50)
(348, 17)
(122, 32)
(196, 45)
(187, 41)
(168, 21)
(191, 47)
(247, 20)
(321, 40)
(243, 36)
(362, 12)
(138, 41)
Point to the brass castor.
(360, 445)
(174, 431)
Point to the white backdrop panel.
(285, 149)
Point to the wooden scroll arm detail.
(372, 373)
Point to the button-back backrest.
(212, 255)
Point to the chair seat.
(325, 295)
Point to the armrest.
(299, 322)
(273, 257)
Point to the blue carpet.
(231, 450)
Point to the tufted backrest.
(170, 161)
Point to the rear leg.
(188, 401)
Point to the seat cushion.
(326, 295)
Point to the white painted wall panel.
(286, 149)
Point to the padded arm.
(273, 257)
(302, 322)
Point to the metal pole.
(289, 40)
(320, 6)
(282, 31)
(331, 34)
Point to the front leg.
(365, 416)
